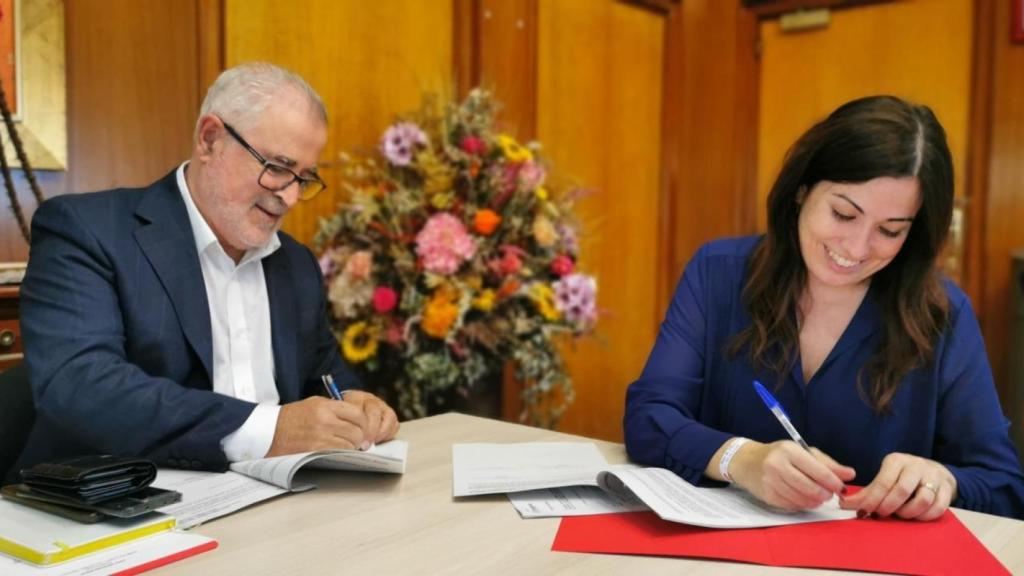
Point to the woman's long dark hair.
(863, 139)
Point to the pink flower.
(510, 261)
(359, 265)
(576, 299)
(561, 265)
(395, 334)
(327, 262)
(384, 299)
(400, 142)
(532, 175)
(569, 242)
(473, 145)
(443, 244)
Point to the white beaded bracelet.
(723, 464)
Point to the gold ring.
(930, 486)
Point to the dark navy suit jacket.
(117, 332)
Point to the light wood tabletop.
(371, 524)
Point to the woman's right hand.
(784, 475)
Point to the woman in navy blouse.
(841, 311)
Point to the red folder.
(944, 546)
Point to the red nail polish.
(843, 491)
(861, 514)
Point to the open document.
(569, 479)
(676, 500)
(209, 495)
(388, 457)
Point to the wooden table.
(368, 524)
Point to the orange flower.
(508, 288)
(440, 312)
(486, 221)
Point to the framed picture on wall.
(32, 73)
(1017, 21)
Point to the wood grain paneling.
(920, 51)
(1005, 205)
(599, 118)
(710, 124)
(368, 60)
(132, 99)
(507, 59)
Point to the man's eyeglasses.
(276, 177)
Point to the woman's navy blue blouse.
(692, 396)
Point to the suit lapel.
(283, 329)
(165, 237)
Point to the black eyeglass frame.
(305, 184)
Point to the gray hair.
(240, 94)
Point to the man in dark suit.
(175, 321)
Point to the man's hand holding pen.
(381, 423)
(349, 420)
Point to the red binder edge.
(170, 558)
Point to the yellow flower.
(513, 151)
(442, 200)
(441, 312)
(541, 193)
(485, 301)
(544, 297)
(359, 343)
(544, 231)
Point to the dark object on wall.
(1014, 404)
(17, 414)
(1017, 21)
(5, 169)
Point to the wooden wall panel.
(599, 118)
(710, 123)
(865, 50)
(507, 61)
(1005, 206)
(132, 99)
(368, 60)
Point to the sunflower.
(513, 151)
(359, 343)
(544, 298)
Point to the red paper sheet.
(944, 546)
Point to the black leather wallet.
(90, 479)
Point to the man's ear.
(208, 132)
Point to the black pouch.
(90, 479)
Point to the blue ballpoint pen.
(332, 388)
(780, 414)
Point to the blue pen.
(332, 388)
(780, 414)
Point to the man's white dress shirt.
(243, 356)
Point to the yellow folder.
(44, 539)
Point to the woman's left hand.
(907, 486)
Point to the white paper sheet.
(209, 495)
(500, 468)
(117, 559)
(676, 500)
(572, 501)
